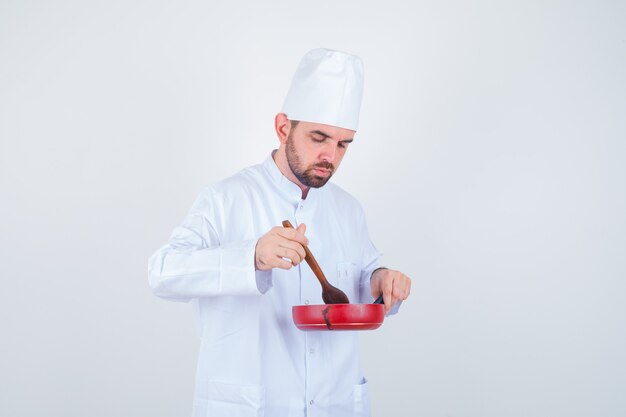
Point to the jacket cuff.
(238, 276)
(263, 281)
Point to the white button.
(311, 402)
(312, 350)
(306, 302)
(300, 207)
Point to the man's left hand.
(393, 285)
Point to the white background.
(490, 161)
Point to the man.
(244, 273)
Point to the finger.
(293, 255)
(276, 230)
(408, 287)
(295, 246)
(398, 294)
(401, 288)
(281, 263)
(302, 230)
(267, 262)
(293, 234)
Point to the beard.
(306, 176)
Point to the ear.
(282, 126)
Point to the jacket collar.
(288, 188)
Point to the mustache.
(325, 165)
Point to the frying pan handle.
(379, 300)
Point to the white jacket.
(253, 361)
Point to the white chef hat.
(326, 88)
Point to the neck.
(280, 158)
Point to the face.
(314, 151)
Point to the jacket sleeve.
(194, 263)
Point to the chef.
(243, 271)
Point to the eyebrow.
(326, 135)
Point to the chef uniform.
(253, 361)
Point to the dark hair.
(294, 123)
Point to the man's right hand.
(280, 243)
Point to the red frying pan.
(337, 313)
(339, 316)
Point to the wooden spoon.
(330, 294)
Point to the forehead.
(337, 133)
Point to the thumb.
(302, 230)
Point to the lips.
(321, 172)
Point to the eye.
(342, 145)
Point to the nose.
(329, 152)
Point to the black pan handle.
(379, 300)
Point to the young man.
(244, 273)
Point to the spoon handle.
(310, 259)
